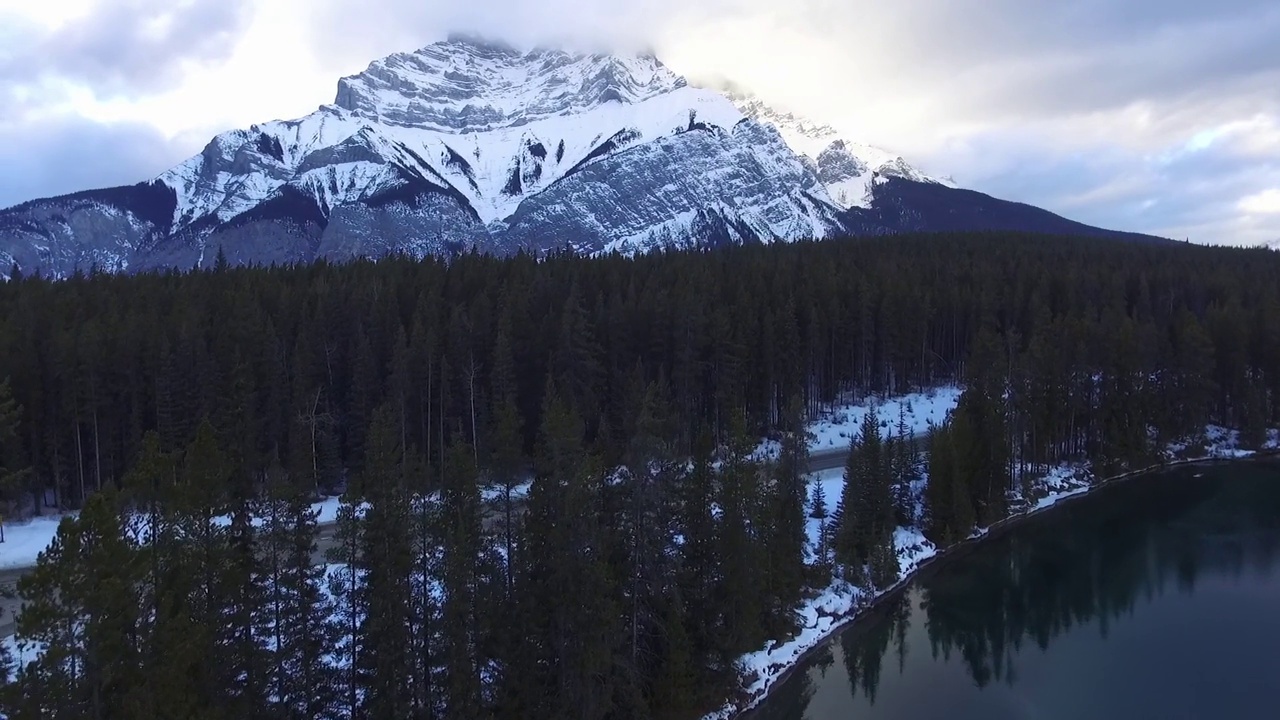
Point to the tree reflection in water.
(1090, 563)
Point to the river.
(1158, 597)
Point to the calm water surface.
(1158, 598)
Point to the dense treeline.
(1097, 338)
(194, 417)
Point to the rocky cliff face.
(468, 144)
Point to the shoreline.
(959, 549)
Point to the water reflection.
(1164, 557)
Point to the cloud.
(1266, 202)
(67, 154)
(123, 47)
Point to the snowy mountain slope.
(849, 170)
(472, 85)
(468, 144)
(463, 144)
(647, 198)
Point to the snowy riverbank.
(826, 612)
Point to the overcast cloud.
(1157, 116)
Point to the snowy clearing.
(918, 410)
(834, 430)
(23, 542)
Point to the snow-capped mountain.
(849, 170)
(470, 144)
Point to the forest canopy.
(1097, 340)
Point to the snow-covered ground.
(24, 541)
(836, 428)
(918, 410)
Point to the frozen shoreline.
(841, 605)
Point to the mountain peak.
(471, 84)
(848, 169)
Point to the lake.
(1156, 598)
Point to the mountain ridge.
(468, 144)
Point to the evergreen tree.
(787, 544)
(82, 609)
(818, 511)
(903, 471)
(569, 594)
(675, 691)
(699, 572)
(460, 583)
(506, 458)
(865, 521)
(427, 531)
(13, 471)
(740, 594)
(297, 615)
(242, 590)
(385, 555)
(348, 585)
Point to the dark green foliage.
(83, 607)
(567, 595)
(385, 557)
(461, 583)
(654, 547)
(865, 516)
(13, 471)
(741, 594)
(295, 359)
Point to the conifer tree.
(13, 469)
(348, 585)
(193, 554)
(866, 515)
(742, 554)
(82, 609)
(787, 544)
(8, 698)
(700, 570)
(385, 666)
(568, 589)
(297, 615)
(818, 511)
(641, 530)
(507, 440)
(426, 544)
(674, 686)
(460, 582)
(904, 471)
(242, 590)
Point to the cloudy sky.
(1159, 116)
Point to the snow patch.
(23, 542)
(922, 410)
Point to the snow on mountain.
(467, 144)
(495, 127)
(849, 170)
(472, 85)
